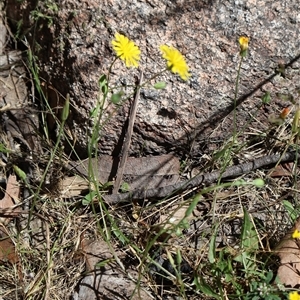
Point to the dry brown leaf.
(7, 247)
(174, 219)
(148, 172)
(73, 186)
(95, 251)
(282, 170)
(10, 199)
(11, 196)
(288, 251)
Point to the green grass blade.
(249, 239)
(212, 247)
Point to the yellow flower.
(126, 50)
(175, 61)
(296, 235)
(294, 296)
(244, 44)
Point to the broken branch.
(201, 179)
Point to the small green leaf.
(258, 182)
(94, 112)
(89, 198)
(116, 98)
(205, 288)
(66, 109)
(269, 277)
(20, 173)
(178, 257)
(107, 185)
(249, 239)
(125, 187)
(293, 213)
(103, 84)
(266, 98)
(3, 149)
(160, 85)
(102, 263)
(249, 245)
(228, 277)
(295, 124)
(118, 233)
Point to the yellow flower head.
(294, 296)
(126, 50)
(175, 61)
(244, 44)
(296, 235)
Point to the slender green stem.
(50, 161)
(228, 151)
(93, 149)
(235, 99)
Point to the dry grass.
(50, 253)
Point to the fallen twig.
(128, 137)
(201, 179)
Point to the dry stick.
(201, 179)
(48, 279)
(128, 137)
